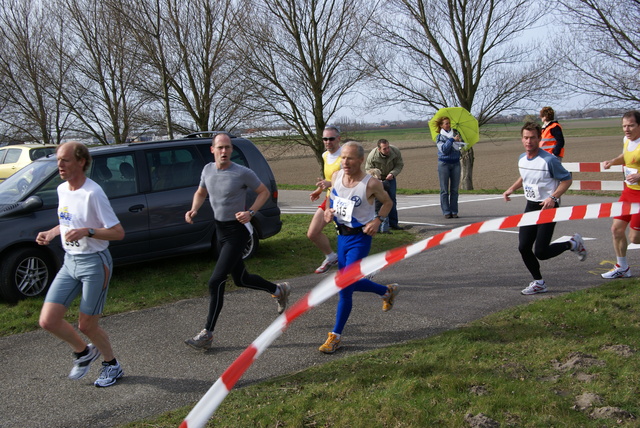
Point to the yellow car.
(14, 157)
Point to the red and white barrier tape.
(331, 285)
(593, 184)
(617, 186)
(589, 167)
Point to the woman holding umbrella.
(449, 144)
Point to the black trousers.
(232, 236)
(535, 243)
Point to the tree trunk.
(467, 158)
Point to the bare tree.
(148, 17)
(29, 69)
(445, 53)
(304, 61)
(197, 75)
(206, 73)
(106, 72)
(603, 49)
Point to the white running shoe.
(617, 272)
(579, 247)
(535, 288)
(326, 264)
(109, 375)
(81, 365)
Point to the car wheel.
(26, 272)
(252, 247)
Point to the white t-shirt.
(87, 206)
(541, 175)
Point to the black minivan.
(150, 186)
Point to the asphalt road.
(441, 289)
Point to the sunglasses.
(328, 138)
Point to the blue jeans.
(391, 190)
(449, 175)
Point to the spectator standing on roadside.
(375, 173)
(449, 144)
(552, 140)
(352, 208)
(331, 161)
(544, 181)
(86, 225)
(630, 158)
(226, 184)
(388, 160)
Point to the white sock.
(337, 335)
(331, 257)
(622, 262)
(540, 281)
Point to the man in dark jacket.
(388, 160)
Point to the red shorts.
(323, 206)
(630, 195)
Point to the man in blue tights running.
(352, 207)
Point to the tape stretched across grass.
(331, 285)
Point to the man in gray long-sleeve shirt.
(388, 160)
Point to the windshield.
(24, 181)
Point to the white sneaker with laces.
(109, 375)
(579, 247)
(81, 365)
(326, 264)
(617, 272)
(535, 288)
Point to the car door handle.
(136, 208)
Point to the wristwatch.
(91, 233)
(382, 219)
(252, 213)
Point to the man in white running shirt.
(86, 224)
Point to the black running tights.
(232, 237)
(535, 243)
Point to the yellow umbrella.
(461, 120)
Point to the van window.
(115, 174)
(49, 191)
(174, 168)
(236, 157)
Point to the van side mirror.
(30, 204)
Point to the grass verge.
(567, 361)
(143, 285)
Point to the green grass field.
(535, 365)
